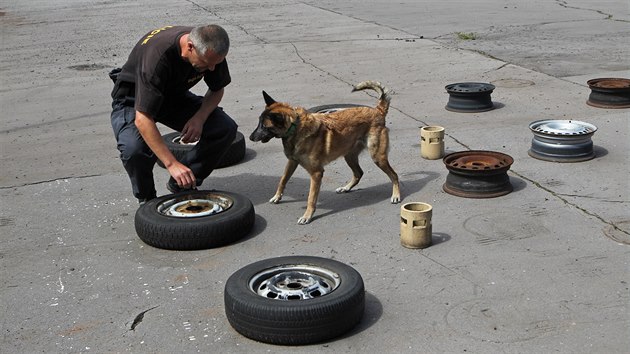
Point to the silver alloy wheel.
(294, 282)
(562, 140)
(184, 206)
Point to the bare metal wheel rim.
(470, 87)
(562, 140)
(294, 282)
(477, 174)
(469, 97)
(610, 92)
(478, 162)
(188, 206)
(562, 127)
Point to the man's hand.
(151, 135)
(182, 175)
(192, 130)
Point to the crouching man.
(154, 86)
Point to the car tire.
(194, 220)
(294, 300)
(234, 154)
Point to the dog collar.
(290, 131)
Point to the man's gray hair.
(212, 37)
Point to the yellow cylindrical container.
(415, 225)
(432, 142)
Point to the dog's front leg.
(288, 172)
(313, 193)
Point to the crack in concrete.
(565, 4)
(574, 205)
(362, 20)
(228, 21)
(43, 124)
(594, 198)
(48, 181)
(297, 52)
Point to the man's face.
(207, 62)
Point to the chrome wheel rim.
(294, 282)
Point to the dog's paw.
(276, 199)
(342, 190)
(395, 199)
(303, 221)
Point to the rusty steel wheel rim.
(609, 93)
(478, 162)
(477, 174)
(193, 206)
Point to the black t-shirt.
(158, 71)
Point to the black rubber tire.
(203, 232)
(234, 154)
(327, 107)
(294, 322)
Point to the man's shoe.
(143, 201)
(173, 187)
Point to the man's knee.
(133, 149)
(220, 125)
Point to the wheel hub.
(301, 282)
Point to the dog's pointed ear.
(268, 100)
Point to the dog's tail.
(384, 93)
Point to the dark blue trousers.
(218, 133)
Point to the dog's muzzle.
(260, 135)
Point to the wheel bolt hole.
(294, 285)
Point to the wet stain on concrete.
(88, 67)
(506, 225)
(500, 320)
(6, 221)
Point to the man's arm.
(192, 130)
(151, 135)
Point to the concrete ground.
(542, 269)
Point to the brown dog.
(312, 140)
